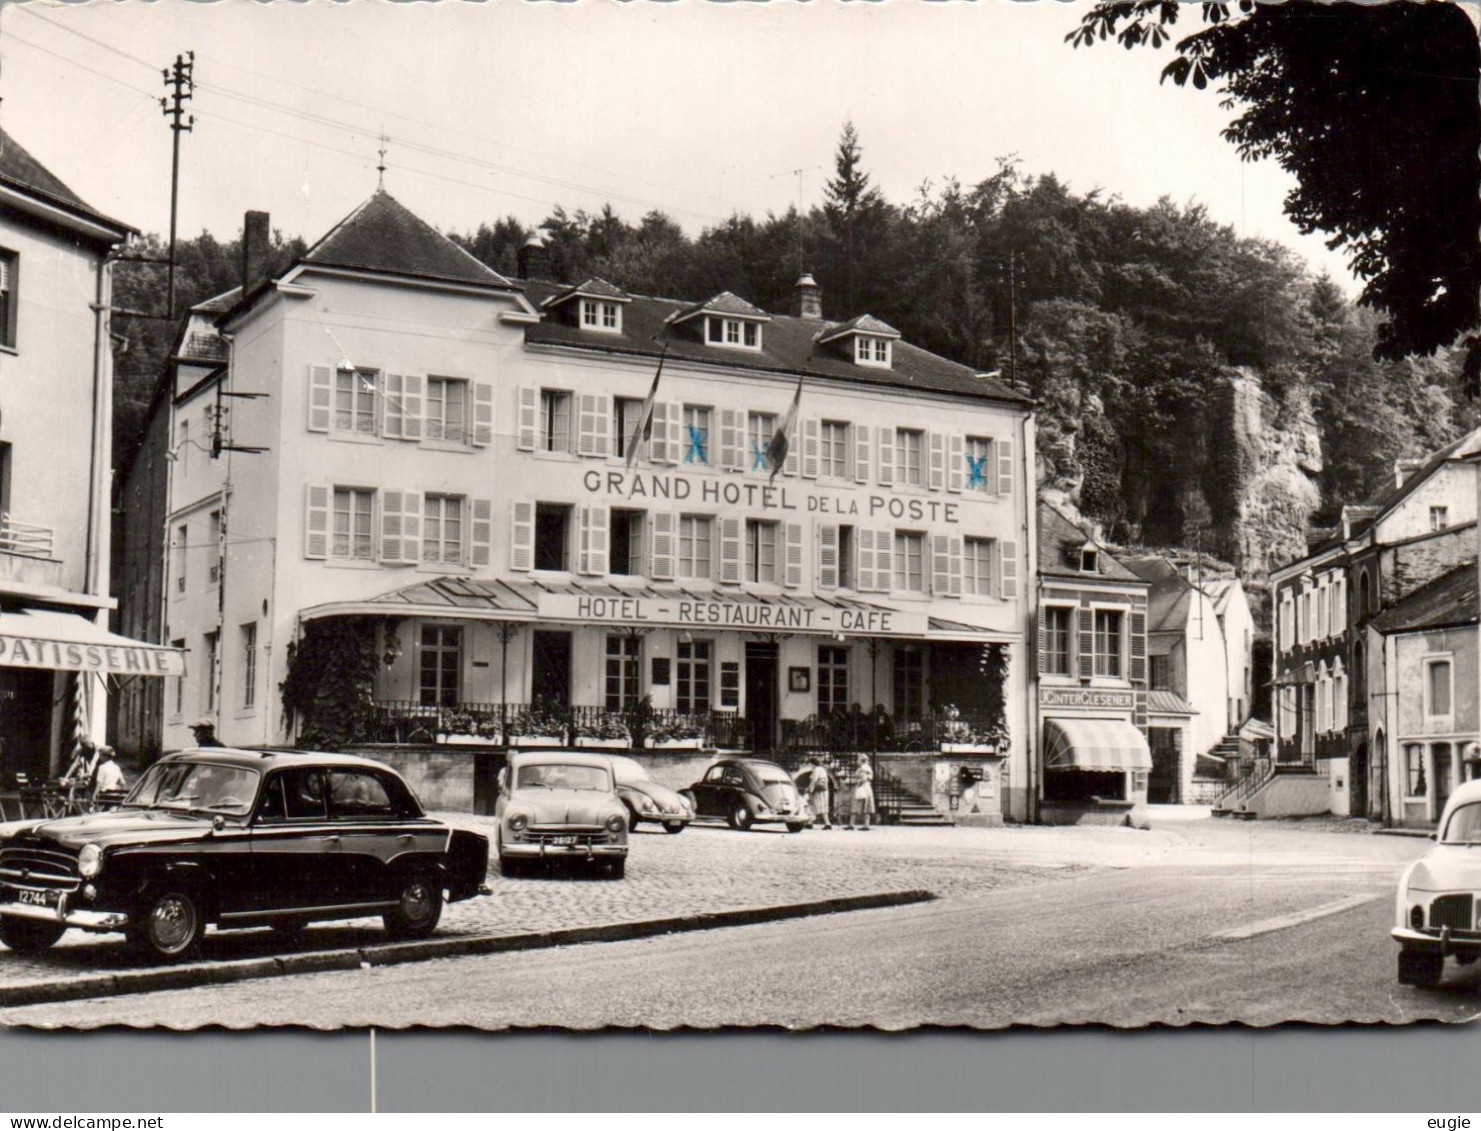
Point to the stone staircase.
(900, 806)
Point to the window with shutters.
(440, 664)
(1110, 640)
(447, 410)
(692, 677)
(1437, 688)
(909, 452)
(733, 333)
(354, 401)
(555, 421)
(627, 543)
(846, 579)
(761, 540)
(832, 679)
(760, 428)
(980, 466)
(552, 536)
(249, 665)
(835, 451)
(696, 438)
(9, 306)
(910, 562)
(977, 563)
(605, 317)
(621, 671)
(352, 523)
(910, 683)
(872, 351)
(443, 529)
(1057, 619)
(696, 555)
(626, 411)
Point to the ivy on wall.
(329, 693)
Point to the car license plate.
(38, 898)
(563, 841)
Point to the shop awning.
(44, 638)
(1094, 744)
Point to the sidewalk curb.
(394, 954)
(1415, 833)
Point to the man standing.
(204, 731)
(109, 775)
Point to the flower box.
(674, 743)
(602, 743)
(968, 748)
(468, 739)
(535, 740)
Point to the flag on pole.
(644, 429)
(776, 451)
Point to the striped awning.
(1094, 744)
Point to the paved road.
(1196, 922)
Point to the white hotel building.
(443, 549)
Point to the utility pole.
(180, 81)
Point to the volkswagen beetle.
(1436, 909)
(237, 838)
(748, 791)
(646, 800)
(560, 805)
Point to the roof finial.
(381, 168)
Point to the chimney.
(532, 260)
(807, 299)
(1404, 468)
(256, 241)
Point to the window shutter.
(529, 417)
(955, 463)
(940, 565)
(395, 406)
(937, 479)
(810, 449)
(956, 565)
(411, 526)
(321, 397)
(604, 425)
(730, 551)
(1043, 641)
(391, 551)
(316, 522)
(1005, 466)
(676, 432)
(586, 436)
(1138, 647)
(793, 463)
(483, 414)
(730, 440)
(595, 522)
(1008, 570)
(884, 568)
(864, 566)
(827, 555)
(658, 443)
(413, 385)
(665, 527)
(886, 456)
(522, 536)
(481, 531)
(1087, 643)
(792, 577)
(861, 453)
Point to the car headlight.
(90, 860)
(615, 823)
(1416, 917)
(519, 822)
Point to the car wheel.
(796, 826)
(1420, 967)
(171, 926)
(28, 936)
(674, 827)
(418, 907)
(740, 816)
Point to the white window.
(626, 411)
(354, 401)
(735, 333)
(1108, 643)
(694, 547)
(1437, 689)
(872, 351)
(622, 671)
(832, 679)
(447, 409)
(835, 454)
(555, 421)
(442, 529)
(604, 316)
(1439, 518)
(977, 555)
(910, 562)
(761, 551)
(909, 443)
(760, 428)
(696, 439)
(692, 677)
(981, 473)
(354, 510)
(249, 666)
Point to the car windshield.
(771, 775)
(196, 787)
(561, 776)
(628, 772)
(1464, 826)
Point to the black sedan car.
(748, 791)
(235, 839)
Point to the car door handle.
(332, 841)
(405, 838)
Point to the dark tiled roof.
(591, 288)
(383, 236)
(863, 323)
(20, 170)
(1449, 599)
(1058, 536)
(722, 303)
(217, 303)
(1171, 594)
(788, 347)
(1391, 495)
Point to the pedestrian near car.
(204, 732)
(819, 793)
(861, 806)
(109, 775)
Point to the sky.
(695, 107)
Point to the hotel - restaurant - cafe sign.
(743, 616)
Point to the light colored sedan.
(560, 805)
(1436, 910)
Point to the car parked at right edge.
(1437, 911)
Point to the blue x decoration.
(758, 460)
(698, 437)
(976, 472)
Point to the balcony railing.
(25, 538)
(854, 732)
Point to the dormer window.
(1089, 560)
(873, 351)
(602, 316)
(735, 333)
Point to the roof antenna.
(381, 168)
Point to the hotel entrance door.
(761, 696)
